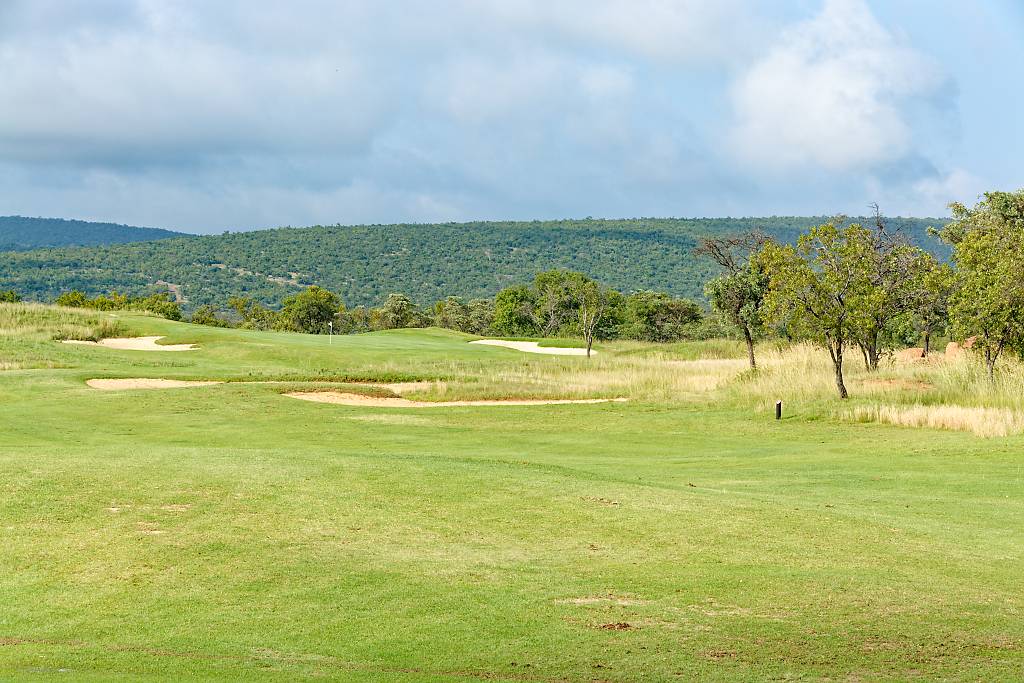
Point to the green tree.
(481, 316)
(592, 303)
(72, 299)
(658, 317)
(988, 298)
(737, 293)
(452, 314)
(894, 270)
(9, 296)
(396, 313)
(932, 294)
(208, 315)
(555, 301)
(513, 312)
(254, 316)
(816, 286)
(310, 310)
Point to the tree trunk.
(750, 347)
(990, 363)
(837, 362)
(590, 343)
(864, 353)
(927, 343)
(873, 358)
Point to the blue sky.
(243, 113)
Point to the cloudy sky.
(236, 114)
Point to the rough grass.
(38, 321)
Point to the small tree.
(893, 268)
(816, 286)
(739, 292)
(988, 298)
(310, 310)
(253, 315)
(555, 299)
(72, 299)
(396, 313)
(208, 315)
(480, 316)
(452, 314)
(932, 293)
(592, 302)
(658, 317)
(513, 312)
(9, 296)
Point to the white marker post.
(330, 332)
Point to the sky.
(242, 114)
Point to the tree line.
(558, 303)
(843, 285)
(848, 286)
(427, 262)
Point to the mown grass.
(229, 532)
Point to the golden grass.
(987, 422)
(650, 377)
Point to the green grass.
(228, 532)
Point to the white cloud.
(830, 95)
(665, 30)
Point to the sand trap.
(534, 347)
(155, 383)
(346, 399)
(143, 383)
(135, 344)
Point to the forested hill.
(19, 233)
(427, 262)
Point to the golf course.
(218, 527)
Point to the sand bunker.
(534, 347)
(346, 399)
(135, 344)
(155, 383)
(143, 383)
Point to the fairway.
(227, 531)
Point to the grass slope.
(19, 233)
(230, 533)
(427, 262)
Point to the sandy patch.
(154, 383)
(143, 383)
(135, 344)
(346, 399)
(534, 347)
(402, 387)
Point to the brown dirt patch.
(603, 600)
(348, 399)
(616, 626)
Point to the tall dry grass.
(987, 422)
(40, 321)
(955, 394)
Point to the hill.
(427, 262)
(18, 233)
